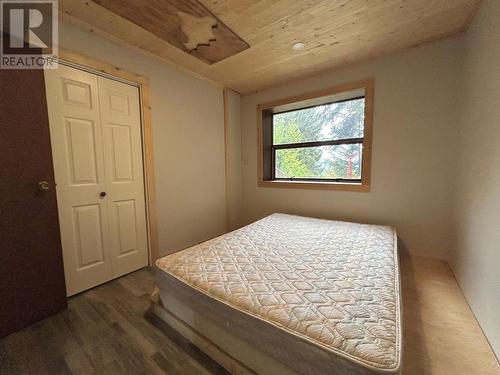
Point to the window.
(320, 140)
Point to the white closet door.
(77, 148)
(121, 134)
(95, 130)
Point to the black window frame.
(336, 142)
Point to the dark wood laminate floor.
(104, 331)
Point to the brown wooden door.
(31, 268)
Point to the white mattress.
(317, 296)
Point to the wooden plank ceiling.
(335, 33)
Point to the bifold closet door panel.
(77, 148)
(122, 140)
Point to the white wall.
(413, 149)
(234, 175)
(188, 129)
(476, 256)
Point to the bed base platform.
(230, 364)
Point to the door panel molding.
(143, 83)
(81, 158)
(88, 242)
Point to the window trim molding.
(369, 87)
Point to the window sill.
(316, 185)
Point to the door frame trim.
(107, 70)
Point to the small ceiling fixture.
(298, 46)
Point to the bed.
(289, 295)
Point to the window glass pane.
(323, 162)
(321, 123)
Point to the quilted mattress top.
(334, 284)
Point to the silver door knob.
(43, 186)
